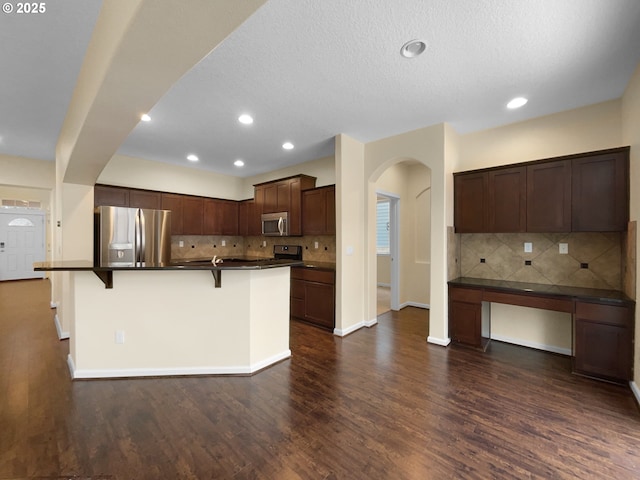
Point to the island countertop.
(106, 273)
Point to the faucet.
(216, 261)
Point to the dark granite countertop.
(237, 263)
(614, 296)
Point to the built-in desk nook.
(602, 320)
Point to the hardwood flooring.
(380, 403)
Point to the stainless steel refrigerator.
(132, 237)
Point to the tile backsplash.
(594, 260)
(206, 246)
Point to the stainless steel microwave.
(275, 224)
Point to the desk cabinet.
(603, 341)
(602, 331)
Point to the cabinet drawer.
(470, 295)
(600, 313)
(312, 275)
(532, 301)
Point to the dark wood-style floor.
(378, 404)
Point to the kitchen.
(439, 147)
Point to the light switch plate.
(181, 243)
(563, 248)
(528, 247)
(224, 243)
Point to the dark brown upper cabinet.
(319, 211)
(192, 215)
(471, 202)
(284, 195)
(220, 217)
(508, 200)
(549, 197)
(106, 195)
(145, 199)
(600, 193)
(173, 202)
(587, 192)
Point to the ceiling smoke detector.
(413, 48)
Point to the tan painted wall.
(631, 136)
(584, 129)
(140, 173)
(434, 147)
(26, 172)
(412, 183)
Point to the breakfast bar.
(171, 320)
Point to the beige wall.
(594, 127)
(383, 270)
(26, 172)
(631, 136)
(435, 148)
(140, 173)
(411, 183)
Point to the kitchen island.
(172, 320)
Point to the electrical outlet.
(181, 243)
(315, 244)
(528, 247)
(119, 337)
(563, 248)
(224, 243)
(264, 243)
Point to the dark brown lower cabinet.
(603, 341)
(465, 317)
(313, 296)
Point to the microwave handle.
(281, 226)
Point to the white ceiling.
(308, 70)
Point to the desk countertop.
(610, 296)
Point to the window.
(21, 222)
(382, 228)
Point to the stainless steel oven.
(275, 224)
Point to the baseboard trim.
(537, 346)
(443, 342)
(636, 391)
(174, 372)
(343, 333)
(371, 322)
(62, 335)
(426, 306)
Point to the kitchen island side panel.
(172, 323)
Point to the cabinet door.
(145, 199)
(255, 215)
(173, 202)
(600, 193)
(465, 323)
(192, 215)
(295, 207)
(243, 217)
(603, 341)
(331, 210)
(284, 195)
(549, 197)
(229, 210)
(319, 307)
(212, 217)
(507, 200)
(110, 196)
(471, 202)
(269, 198)
(314, 212)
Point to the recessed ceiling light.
(145, 118)
(192, 158)
(517, 103)
(239, 163)
(245, 119)
(413, 48)
(287, 145)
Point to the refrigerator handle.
(141, 232)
